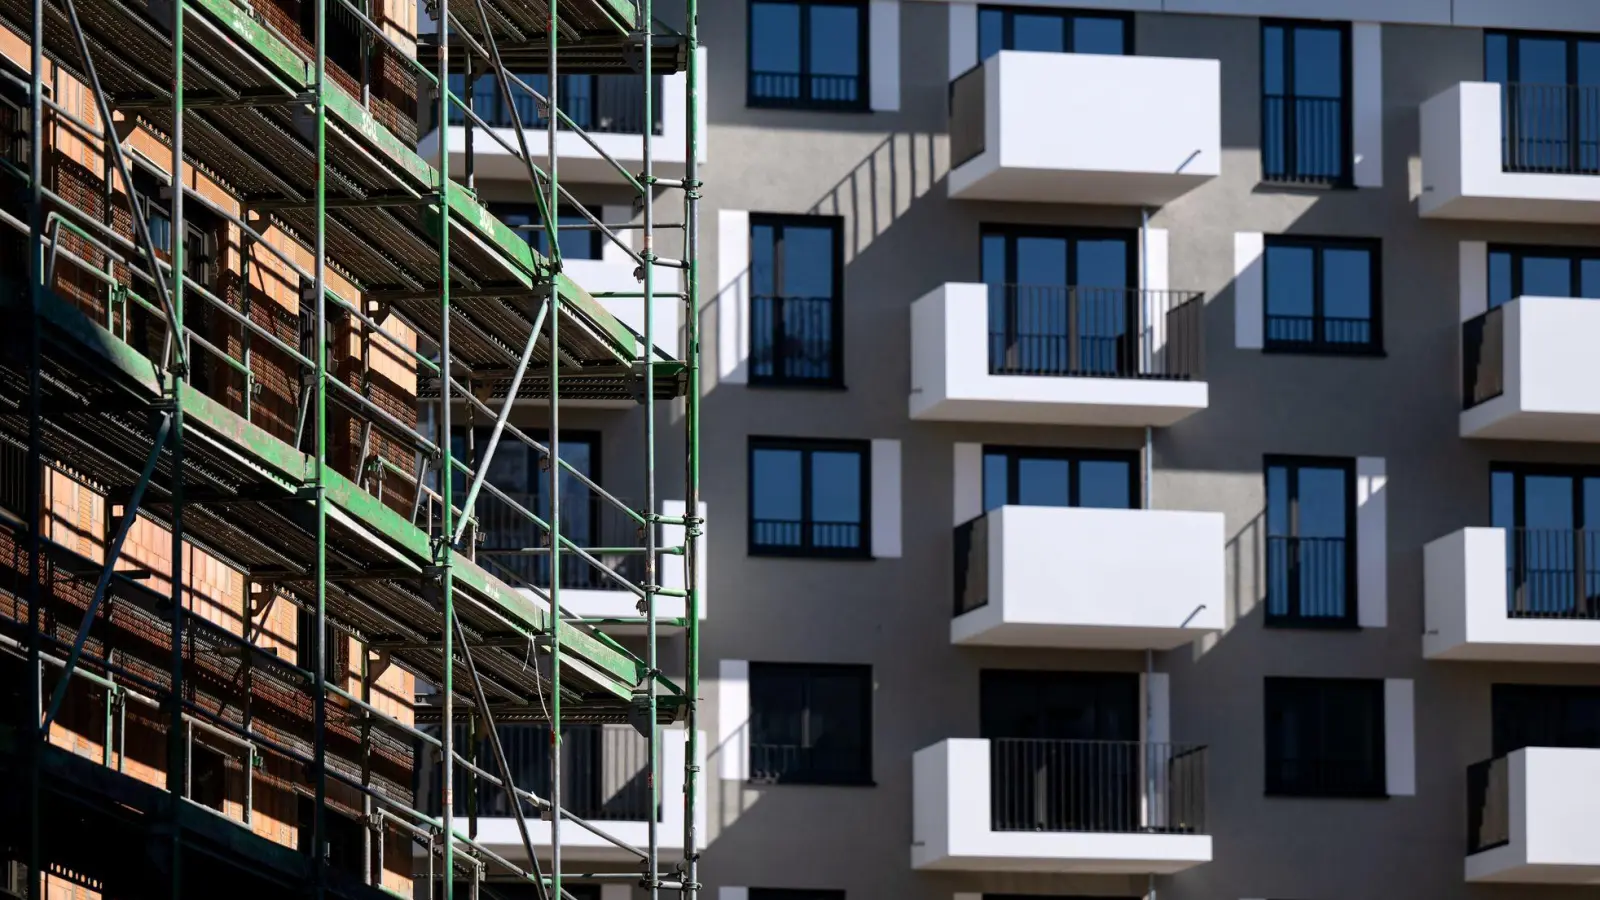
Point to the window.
(576, 243)
(1052, 31)
(793, 894)
(600, 104)
(1539, 715)
(808, 54)
(1038, 476)
(1323, 295)
(1551, 517)
(1310, 542)
(1542, 272)
(1060, 301)
(345, 38)
(810, 723)
(1305, 103)
(809, 498)
(1550, 100)
(1325, 737)
(796, 330)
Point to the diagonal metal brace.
(129, 515)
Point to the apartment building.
(1148, 445)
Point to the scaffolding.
(360, 515)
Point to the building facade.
(1148, 446)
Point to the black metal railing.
(1305, 140)
(1309, 580)
(1483, 357)
(605, 772)
(1551, 128)
(13, 479)
(1328, 334)
(1102, 786)
(513, 547)
(794, 340)
(1105, 332)
(1488, 805)
(793, 90)
(799, 764)
(971, 554)
(967, 116)
(1553, 573)
(601, 104)
(1303, 776)
(812, 537)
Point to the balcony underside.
(982, 628)
(985, 178)
(1067, 400)
(1079, 853)
(1500, 419)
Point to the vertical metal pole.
(366, 771)
(651, 563)
(470, 83)
(691, 533)
(447, 472)
(177, 759)
(555, 463)
(319, 290)
(35, 474)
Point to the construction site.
(270, 624)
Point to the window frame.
(806, 670)
(1293, 464)
(806, 447)
(1518, 253)
(1015, 453)
(1278, 690)
(778, 222)
(1069, 15)
(1290, 177)
(804, 101)
(1010, 232)
(1318, 246)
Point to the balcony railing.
(967, 128)
(1483, 357)
(1551, 128)
(972, 565)
(1304, 140)
(1308, 581)
(1488, 805)
(1552, 573)
(1126, 787)
(1100, 332)
(794, 340)
(1302, 776)
(1322, 334)
(605, 772)
(600, 104)
(516, 549)
(811, 538)
(792, 90)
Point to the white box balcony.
(513, 549)
(609, 108)
(1529, 370)
(605, 780)
(1083, 128)
(1521, 153)
(1523, 597)
(1056, 355)
(1531, 815)
(1093, 807)
(1127, 579)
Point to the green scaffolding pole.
(691, 507)
(177, 755)
(442, 548)
(319, 296)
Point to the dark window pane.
(1499, 278)
(835, 42)
(1045, 477)
(991, 23)
(1039, 32)
(995, 489)
(1546, 276)
(1043, 482)
(776, 485)
(1309, 547)
(794, 316)
(1103, 36)
(806, 54)
(808, 498)
(1304, 104)
(1496, 63)
(1272, 69)
(810, 723)
(1320, 295)
(775, 37)
(1324, 737)
(1104, 484)
(1290, 285)
(1318, 63)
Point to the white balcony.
(1471, 168)
(1056, 356)
(612, 113)
(606, 773)
(1481, 604)
(964, 818)
(1127, 579)
(1529, 370)
(588, 592)
(1081, 128)
(1531, 817)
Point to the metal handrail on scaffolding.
(358, 169)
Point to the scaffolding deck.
(251, 128)
(245, 501)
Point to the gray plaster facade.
(884, 173)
